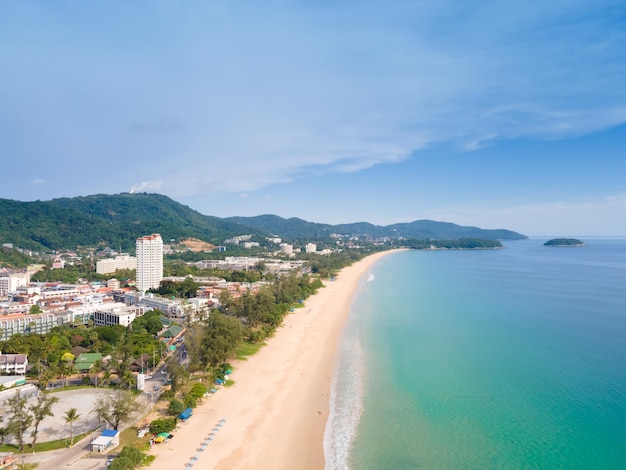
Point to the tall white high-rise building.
(149, 262)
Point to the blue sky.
(499, 114)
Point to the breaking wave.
(346, 403)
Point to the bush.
(176, 407)
(162, 425)
(121, 463)
(190, 401)
(198, 390)
(133, 454)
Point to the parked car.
(110, 461)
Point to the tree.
(71, 416)
(176, 407)
(19, 418)
(67, 361)
(133, 454)
(193, 340)
(223, 335)
(96, 368)
(40, 411)
(4, 432)
(190, 401)
(162, 425)
(177, 373)
(116, 408)
(44, 377)
(34, 309)
(198, 390)
(93, 337)
(121, 463)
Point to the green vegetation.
(106, 220)
(118, 220)
(115, 409)
(246, 349)
(185, 289)
(298, 229)
(564, 242)
(460, 244)
(41, 446)
(12, 258)
(162, 425)
(129, 458)
(47, 352)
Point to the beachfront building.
(109, 439)
(149, 262)
(14, 364)
(110, 265)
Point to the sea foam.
(346, 402)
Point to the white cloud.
(146, 186)
(312, 89)
(38, 181)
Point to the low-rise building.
(109, 439)
(14, 364)
(110, 265)
(122, 316)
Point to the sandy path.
(277, 410)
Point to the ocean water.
(512, 358)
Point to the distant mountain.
(118, 220)
(112, 220)
(295, 229)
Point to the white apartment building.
(123, 316)
(286, 248)
(110, 265)
(10, 282)
(310, 248)
(149, 262)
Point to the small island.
(564, 242)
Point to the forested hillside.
(420, 229)
(111, 220)
(118, 220)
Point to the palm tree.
(39, 412)
(96, 368)
(93, 337)
(71, 416)
(45, 377)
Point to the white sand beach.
(276, 412)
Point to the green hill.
(111, 220)
(295, 229)
(118, 220)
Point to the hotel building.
(149, 262)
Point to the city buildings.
(149, 253)
(110, 265)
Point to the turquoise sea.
(511, 358)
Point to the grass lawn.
(128, 437)
(246, 349)
(41, 446)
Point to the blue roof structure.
(109, 433)
(185, 414)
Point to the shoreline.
(276, 412)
